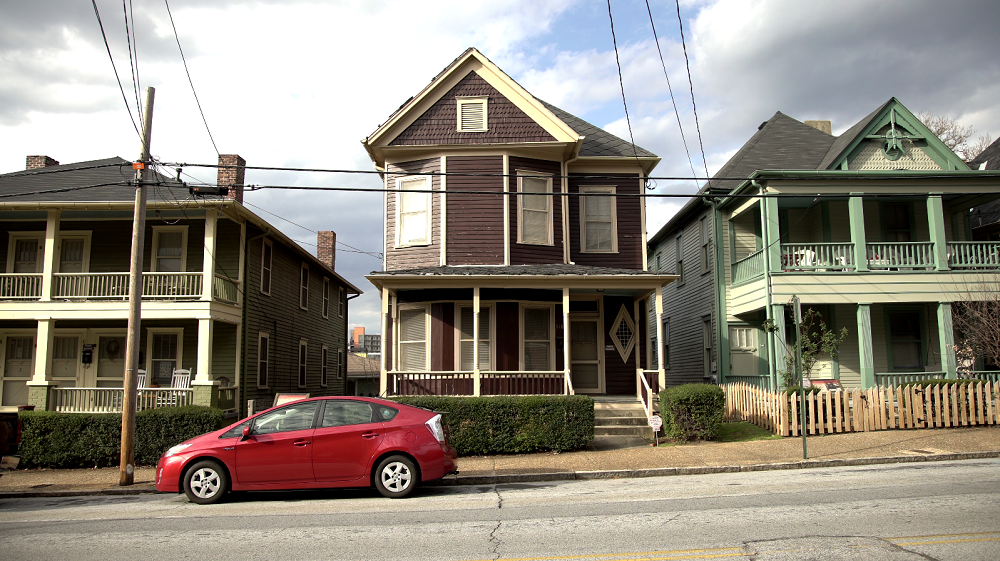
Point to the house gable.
(891, 138)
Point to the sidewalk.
(611, 457)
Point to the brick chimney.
(825, 126)
(232, 177)
(326, 242)
(38, 162)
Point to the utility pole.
(126, 474)
(797, 305)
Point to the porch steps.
(620, 416)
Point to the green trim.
(856, 212)
(825, 212)
(935, 222)
(719, 280)
(770, 222)
(924, 342)
(783, 224)
(758, 231)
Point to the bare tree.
(976, 319)
(955, 136)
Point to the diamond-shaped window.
(623, 334)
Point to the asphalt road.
(935, 510)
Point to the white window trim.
(15, 237)
(86, 235)
(266, 336)
(552, 334)
(520, 206)
(471, 100)
(157, 230)
(326, 297)
(704, 250)
(20, 334)
(428, 205)
(150, 331)
(583, 218)
(324, 366)
(302, 372)
(267, 268)
(459, 306)
(341, 364)
(341, 302)
(427, 334)
(78, 373)
(304, 287)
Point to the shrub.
(75, 440)
(796, 390)
(513, 424)
(692, 411)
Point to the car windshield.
(235, 431)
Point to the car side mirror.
(246, 433)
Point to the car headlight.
(176, 450)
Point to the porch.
(109, 400)
(114, 286)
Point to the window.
(326, 297)
(324, 352)
(25, 253)
(666, 344)
(413, 339)
(338, 413)
(659, 267)
(303, 348)
(466, 324)
(18, 358)
(73, 253)
(265, 267)
(598, 220)
(623, 333)
(341, 363)
(534, 212)
(164, 355)
(703, 232)
(304, 287)
(537, 326)
(897, 222)
(679, 252)
(169, 243)
(905, 341)
(413, 216)
(471, 114)
(297, 416)
(263, 344)
(342, 302)
(706, 337)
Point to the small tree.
(976, 318)
(955, 136)
(817, 339)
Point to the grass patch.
(742, 431)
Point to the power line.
(133, 53)
(355, 250)
(694, 107)
(190, 81)
(120, 87)
(621, 83)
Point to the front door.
(110, 362)
(742, 351)
(585, 355)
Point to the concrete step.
(639, 421)
(642, 432)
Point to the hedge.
(76, 440)
(941, 382)
(692, 411)
(513, 424)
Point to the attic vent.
(471, 114)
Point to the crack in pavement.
(493, 534)
(752, 550)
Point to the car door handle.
(301, 443)
(369, 435)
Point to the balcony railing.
(817, 257)
(749, 268)
(488, 382)
(20, 286)
(225, 289)
(114, 286)
(109, 400)
(974, 255)
(900, 255)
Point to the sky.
(293, 83)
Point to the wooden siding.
(227, 248)
(628, 209)
(507, 347)
(443, 336)
(439, 124)
(475, 222)
(421, 255)
(224, 336)
(840, 222)
(531, 254)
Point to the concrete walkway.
(611, 457)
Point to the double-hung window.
(169, 243)
(263, 344)
(598, 220)
(679, 252)
(324, 355)
(466, 324)
(342, 302)
(413, 355)
(304, 287)
(326, 297)
(534, 211)
(413, 213)
(537, 331)
(164, 354)
(303, 353)
(703, 233)
(905, 341)
(266, 255)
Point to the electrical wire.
(120, 87)
(133, 52)
(694, 107)
(621, 83)
(190, 81)
(354, 249)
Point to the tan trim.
(552, 151)
(444, 211)
(506, 210)
(629, 282)
(614, 219)
(642, 224)
(613, 164)
(564, 202)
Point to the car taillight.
(436, 427)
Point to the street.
(933, 510)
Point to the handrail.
(900, 255)
(974, 255)
(20, 286)
(645, 393)
(748, 268)
(817, 256)
(155, 285)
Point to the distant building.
(363, 344)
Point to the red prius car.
(316, 443)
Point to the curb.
(498, 479)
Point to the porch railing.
(20, 286)
(489, 383)
(900, 255)
(171, 285)
(646, 387)
(114, 286)
(893, 379)
(227, 398)
(974, 255)
(225, 289)
(109, 400)
(817, 256)
(749, 268)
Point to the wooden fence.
(856, 410)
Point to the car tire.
(396, 477)
(205, 482)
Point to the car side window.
(345, 412)
(297, 416)
(235, 431)
(387, 413)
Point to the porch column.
(208, 261)
(661, 372)
(567, 371)
(935, 222)
(383, 377)
(772, 234)
(856, 213)
(243, 259)
(865, 352)
(778, 339)
(476, 379)
(51, 254)
(206, 335)
(41, 383)
(946, 338)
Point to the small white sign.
(656, 422)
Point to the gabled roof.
(848, 137)
(95, 181)
(990, 157)
(597, 141)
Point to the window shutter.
(412, 333)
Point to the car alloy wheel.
(205, 483)
(395, 477)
